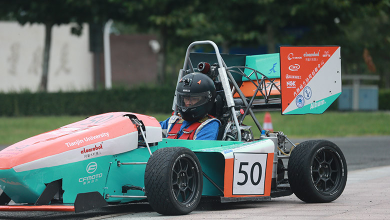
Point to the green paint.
(267, 64)
(108, 178)
(315, 107)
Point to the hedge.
(144, 100)
(384, 99)
(140, 100)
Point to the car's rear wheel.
(317, 171)
(173, 181)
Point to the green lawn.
(329, 124)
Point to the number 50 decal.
(249, 173)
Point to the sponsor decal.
(300, 101)
(326, 54)
(90, 179)
(186, 90)
(292, 77)
(227, 151)
(87, 139)
(291, 84)
(272, 70)
(311, 56)
(294, 67)
(91, 167)
(317, 104)
(91, 152)
(307, 92)
(291, 56)
(309, 77)
(314, 54)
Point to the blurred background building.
(72, 67)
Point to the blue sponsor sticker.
(307, 92)
(227, 151)
(300, 101)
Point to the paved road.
(367, 195)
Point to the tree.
(58, 12)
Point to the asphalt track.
(366, 196)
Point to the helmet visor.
(190, 100)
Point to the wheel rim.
(184, 180)
(327, 171)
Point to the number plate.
(249, 173)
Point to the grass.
(329, 124)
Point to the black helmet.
(195, 96)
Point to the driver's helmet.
(195, 96)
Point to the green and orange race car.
(122, 157)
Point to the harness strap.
(188, 133)
(192, 130)
(175, 130)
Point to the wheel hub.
(182, 180)
(324, 170)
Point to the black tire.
(317, 171)
(173, 181)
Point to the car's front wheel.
(317, 171)
(173, 181)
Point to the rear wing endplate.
(310, 78)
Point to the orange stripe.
(268, 174)
(59, 208)
(249, 89)
(229, 168)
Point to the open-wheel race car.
(122, 157)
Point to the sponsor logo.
(90, 179)
(186, 90)
(309, 77)
(307, 92)
(91, 152)
(91, 167)
(317, 104)
(294, 67)
(291, 84)
(300, 101)
(96, 148)
(272, 70)
(311, 56)
(314, 54)
(326, 54)
(292, 77)
(291, 56)
(74, 143)
(86, 139)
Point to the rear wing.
(298, 80)
(310, 78)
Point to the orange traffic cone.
(268, 122)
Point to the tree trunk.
(161, 63)
(46, 58)
(270, 39)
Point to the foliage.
(357, 26)
(384, 99)
(141, 99)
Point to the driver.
(195, 98)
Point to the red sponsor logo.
(96, 148)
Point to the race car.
(122, 157)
